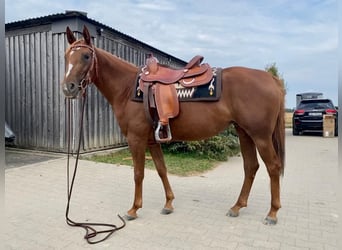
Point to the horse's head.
(80, 64)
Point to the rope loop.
(91, 232)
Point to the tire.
(294, 130)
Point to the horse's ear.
(70, 35)
(86, 35)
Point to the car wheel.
(294, 130)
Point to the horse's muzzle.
(70, 90)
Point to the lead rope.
(91, 232)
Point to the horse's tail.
(278, 136)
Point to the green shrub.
(218, 147)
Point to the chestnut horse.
(253, 100)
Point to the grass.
(177, 164)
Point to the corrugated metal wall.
(35, 105)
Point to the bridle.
(91, 74)
(91, 232)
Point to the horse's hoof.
(231, 213)
(270, 221)
(166, 211)
(128, 217)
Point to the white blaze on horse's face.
(69, 69)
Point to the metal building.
(35, 105)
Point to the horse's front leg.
(158, 159)
(138, 156)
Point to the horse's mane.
(115, 57)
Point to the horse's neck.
(115, 77)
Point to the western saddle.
(158, 82)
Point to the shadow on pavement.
(18, 157)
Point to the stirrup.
(168, 131)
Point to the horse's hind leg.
(158, 159)
(251, 166)
(273, 165)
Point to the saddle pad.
(210, 91)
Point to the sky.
(300, 37)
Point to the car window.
(316, 105)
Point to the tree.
(273, 69)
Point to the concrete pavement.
(35, 200)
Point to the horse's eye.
(86, 56)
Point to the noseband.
(91, 74)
